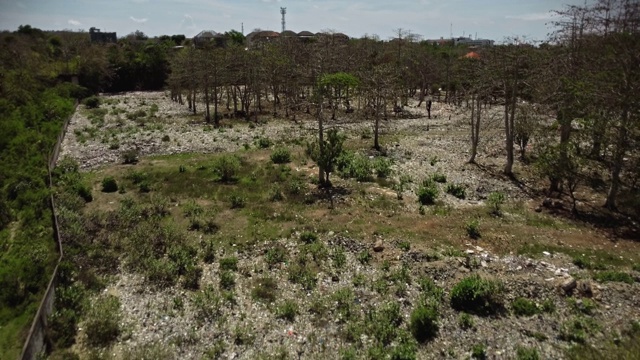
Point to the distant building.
(262, 37)
(209, 37)
(472, 42)
(102, 37)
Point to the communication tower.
(283, 11)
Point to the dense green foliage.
(33, 106)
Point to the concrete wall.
(35, 342)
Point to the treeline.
(33, 106)
(585, 77)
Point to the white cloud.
(532, 16)
(139, 21)
(187, 22)
(74, 22)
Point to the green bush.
(495, 202)
(192, 277)
(287, 310)
(109, 185)
(524, 307)
(364, 257)
(263, 143)
(84, 192)
(91, 102)
(102, 324)
(424, 322)
(130, 156)
(439, 178)
(479, 351)
(473, 229)
(382, 167)
(456, 190)
(477, 295)
(523, 353)
(227, 167)
(237, 201)
(265, 289)
(229, 263)
(275, 255)
(427, 193)
(466, 321)
(281, 155)
(227, 280)
(308, 237)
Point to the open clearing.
(287, 270)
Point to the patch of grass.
(423, 322)
(339, 257)
(439, 178)
(227, 280)
(524, 307)
(613, 276)
(229, 263)
(466, 321)
(382, 167)
(473, 229)
(456, 190)
(102, 324)
(364, 257)
(479, 351)
(275, 255)
(523, 353)
(427, 193)
(582, 306)
(477, 295)
(287, 310)
(308, 237)
(495, 200)
(265, 289)
(578, 329)
(429, 289)
(404, 245)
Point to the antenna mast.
(283, 11)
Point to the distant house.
(102, 37)
(209, 37)
(261, 37)
(472, 42)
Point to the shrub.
(439, 178)
(475, 294)
(84, 192)
(192, 277)
(613, 276)
(339, 258)
(144, 187)
(382, 167)
(265, 289)
(227, 280)
(429, 289)
(364, 257)
(109, 185)
(523, 353)
(495, 202)
(130, 156)
(300, 273)
(479, 351)
(281, 155)
(91, 102)
(229, 263)
(308, 237)
(524, 307)
(456, 190)
(161, 272)
(424, 322)
(102, 324)
(434, 160)
(166, 138)
(227, 167)
(466, 321)
(237, 201)
(473, 229)
(427, 193)
(275, 255)
(263, 143)
(287, 310)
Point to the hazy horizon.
(494, 20)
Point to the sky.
(488, 19)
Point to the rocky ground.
(170, 321)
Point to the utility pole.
(283, 11)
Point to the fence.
(36, 337)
